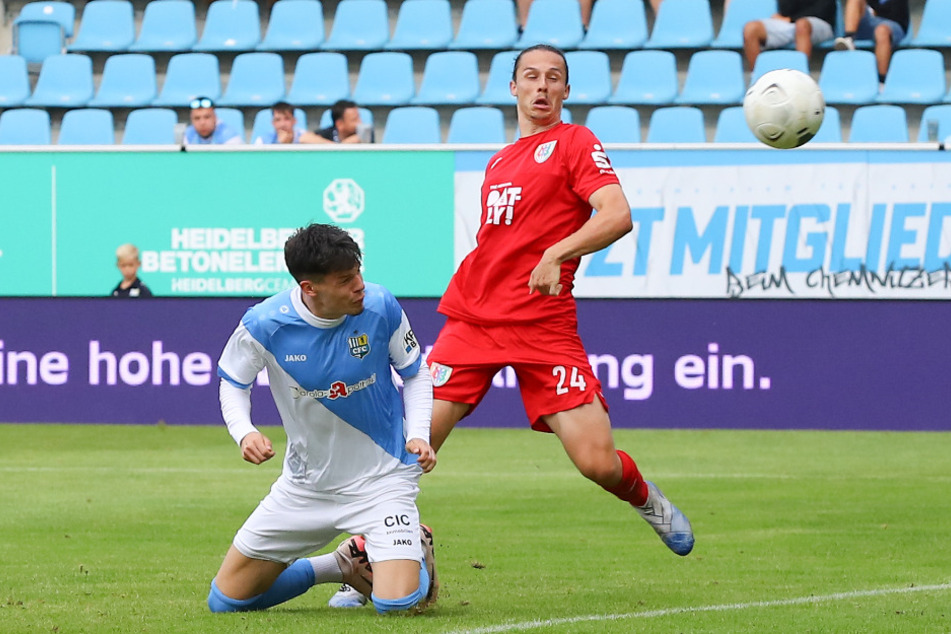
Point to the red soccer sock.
(632, 488)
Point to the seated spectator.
(285, 126)
(205, 129)
(347, 127)
(524, 5)
(800, 22)
(884, 21)
(127, 261)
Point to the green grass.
(120, 529)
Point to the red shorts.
(553, 371)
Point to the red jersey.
(535, 193)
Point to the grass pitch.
(120, 529)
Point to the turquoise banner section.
(214, 223)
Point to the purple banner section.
(766, 364)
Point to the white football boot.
(667, 520)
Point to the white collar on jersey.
(318, 322)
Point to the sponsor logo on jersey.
(544, 151)
(337, 389)
(440, 374)
(601, 160)
(409, 341)
(295, 357)
(500, 204)
(359, 345)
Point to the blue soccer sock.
(294, 581)
(393, 605)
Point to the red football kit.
(535, 193)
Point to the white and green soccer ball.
(784, 108)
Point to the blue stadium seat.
(257, 79)
(231, 25)
(778, 58)
(385, 79)
(496, 91)
(849, 77)
(106, 25)
(189, 75)
(590, 75)
(320, 79)
(359, 25)
(941, 115)
(128, 81)
(412, 124)
(935, 26)
(479, 124)
(294, 25)
(732, 128)
(486, 24)
(150, 126)
(682, 24)
(616, 24)
(87, 126)
(25, 126)
(167, 26)
(449, 78)
(422, 25)
(736, 14)
(262, 121)
(714, 77)
(366, 116)
(615, 124)
(879, 124)
(62, 12)
(14, 81)
(234, 118)
(915, 75)
(65, 82)
(35, 40)
(647, 77)
(676, 124)
(555, 22)
(831, 129)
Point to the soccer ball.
(784, 108)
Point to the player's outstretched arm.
(612, 220)
(427, 455)
(256, 448)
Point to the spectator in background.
(884, 21)
(285, 126)
(205, 128)
(346, 126)
(524, 5)
(127, 261)
(803, 22)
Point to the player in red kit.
(510, 301)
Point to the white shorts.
(292, 522)
(780, 33)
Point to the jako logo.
(295, 357)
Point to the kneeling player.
(352, 462)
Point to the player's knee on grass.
(384, 606)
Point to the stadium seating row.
(362, 25)
(421, 124)
(386, 78)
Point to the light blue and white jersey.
(333, 386)
(223, 134)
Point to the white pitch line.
(723, 607)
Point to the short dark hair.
(541, 47)
(283, 107)
(337, 110)
(317, 249)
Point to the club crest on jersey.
(359, 345)
(544, 151)
(440, 374)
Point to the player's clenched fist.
(256, 448)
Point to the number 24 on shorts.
(576, 380)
